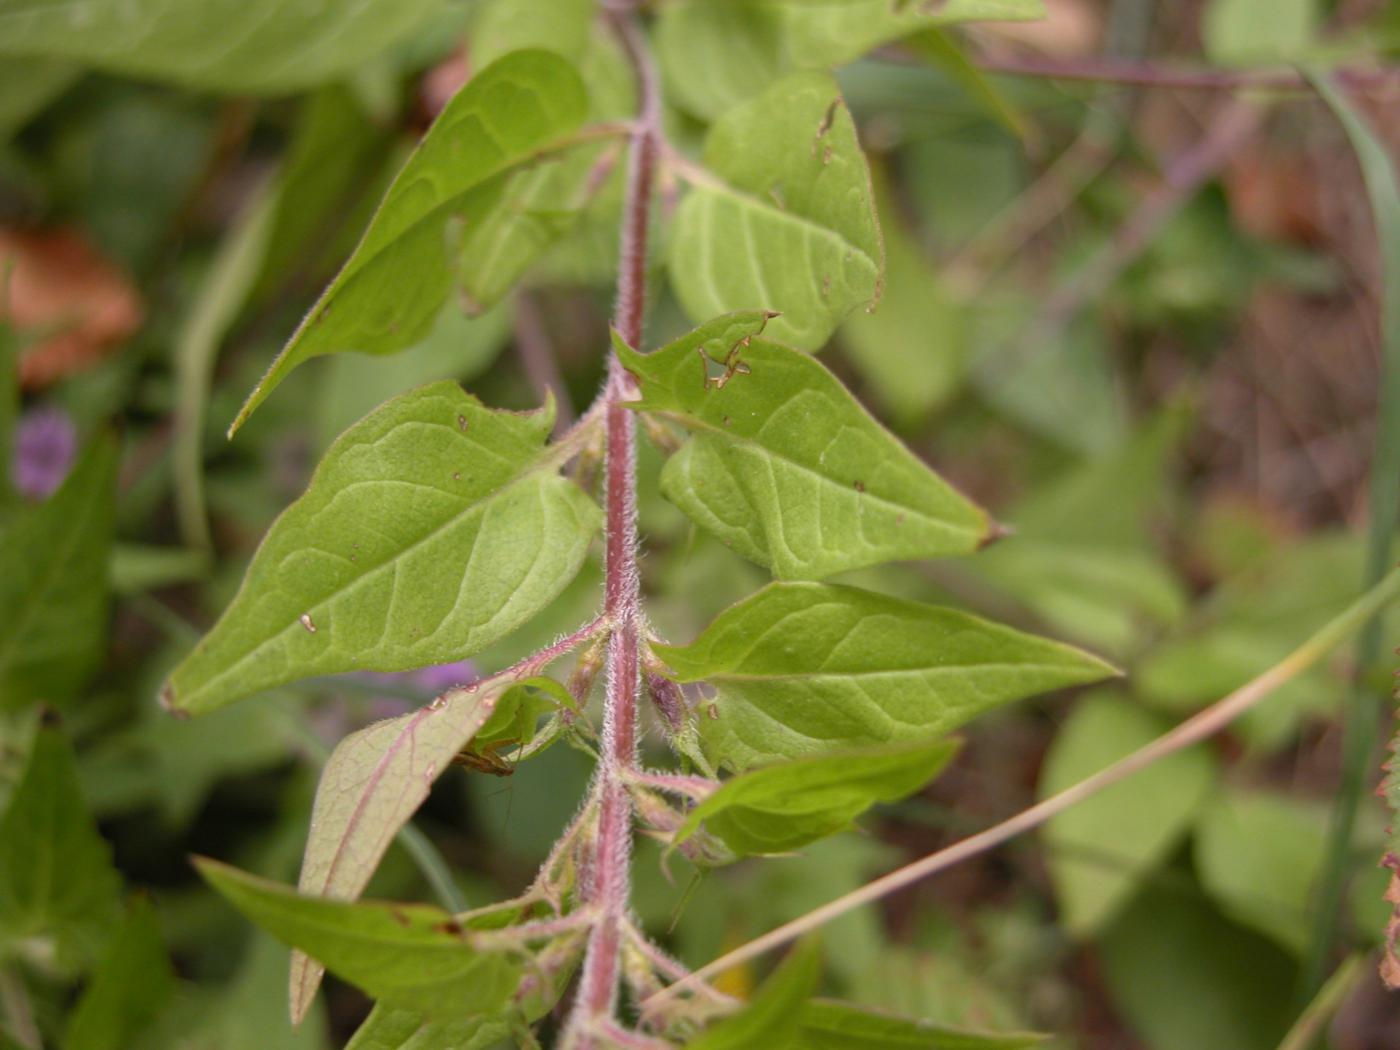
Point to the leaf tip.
(169, 704)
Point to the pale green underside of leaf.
(373, 783)
(242, 46)
(412, 956)
(390, 290)
(716, 53)
(389, 1029)
(1103, 848)
(56, 874)
(54, 584)
(788, 224)
(786, 806)
(431, 529)
(807, 669)
(788, 469)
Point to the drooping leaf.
(56, 876)
(828, 1025)
(786, 467)
(771, 1018)
(373, 783)
(520, 109)
(715, 54)
(387, 1028)
(787, 222)
(130, 988)
(412, 956)
(1103, 848)
(259, 46)
(785, 806)
(807, 668)
(54, 583)
(432, 528)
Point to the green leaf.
(413, 956)
(784, 218)
(1259, 856)
(538, 205)
(1244, 32)
(56, 876)
(771, 1018)
(806, 668)
(828, 1025)
(1102, 849)
(1232, 979)
(389, 1029)
(715, 54)
(787, 468)
(373, 783)
(783, 807)
(54, 583)
(252, 1013)
(386, 297)
(943, 51)
(1084, 558)
(431, 529)
(27, 85)
(130, 988)
(239, 46)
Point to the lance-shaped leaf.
(787, 222)
(432, 528)
(373, 783)
(243, 46)
(56, 875)
(786, 467)
(771, 1017)
(413, 956)
(524, 106)
(808, 668)
(828, 1025)
(785, 806)
(54, 583)
(129, 989)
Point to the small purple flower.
(445, 676)
(45, 443)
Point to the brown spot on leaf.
(860, 486)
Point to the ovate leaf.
(807, 668)
(771, 1017)
(386, 297)
(786, 467)
(412, 956)
(54, 583)
(56, 876)
(130, 988)
(1102, 849)
(785, 806)
(373, 783)
(787, 223)
(432, 528)
(387, 1028)
(242, 46)
(828, 1025)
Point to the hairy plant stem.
(608, 876)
